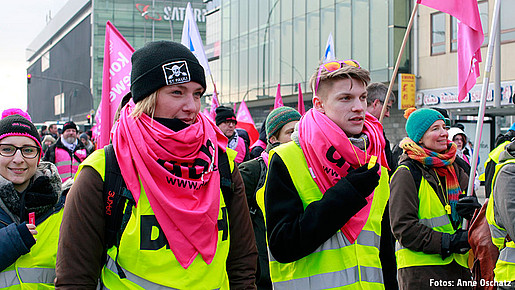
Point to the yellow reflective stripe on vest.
(37, 275)
(146, 257)
(8, 278)
(432, 214)
(505, 266)
(145, 284)
(435, 222)
(337, 262)
(507, 255)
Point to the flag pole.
(482, 105)
(401, 51)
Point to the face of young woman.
(18, 169)
(435, 138)
(181, 101)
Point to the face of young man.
(285, 132)
(376, 107)
(344, 101)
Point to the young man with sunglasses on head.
(325, 193)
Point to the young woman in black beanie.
(183, 233)
(30, 193)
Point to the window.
(437, 33)
(507, 21)
(483, 14)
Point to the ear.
(272, 139)
(376, 102)
(318, 104)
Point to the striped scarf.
(442, 164)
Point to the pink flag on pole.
(470, 39)
(300, 105)
(246, 122)
(278, 99)
(214, 104)
(116, 80)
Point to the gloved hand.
(363, 179)
(467, 205)
(455, 243)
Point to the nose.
(357, 105)
(18, 157)
(189, 104)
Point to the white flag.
(329, 49)
(191, 38)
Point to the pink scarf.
(320, 137)
(179, 174)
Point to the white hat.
(455, 131)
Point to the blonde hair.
(147, 106)
(345, 72)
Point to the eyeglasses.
(333, 66)
(27, 151)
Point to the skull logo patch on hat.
(176, 72)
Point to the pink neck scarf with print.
(329, 156)
(179, 173)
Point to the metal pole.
(482, 105)
(397, 64)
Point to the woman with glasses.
(427, 208)
(30, 193)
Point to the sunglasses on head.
(334, 66)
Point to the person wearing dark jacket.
(260, 145)
(281, 123)
(325, 193)
(67, 153)
(426, 209)
(376, 96)
(184, 231)
(30, 196)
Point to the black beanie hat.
(224, 114)
(16, 122)
(162, 63)
(69, 125)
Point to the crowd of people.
(180, 201)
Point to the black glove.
(455, 243)
(363, 179)
(467, 205)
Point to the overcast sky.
(20, 23)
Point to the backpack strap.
(253, 206)
(118, 203)
(415, 171)
(226, 184)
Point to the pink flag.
(470, 39)
(246, 122)
(116, 80)
(208, 114)
(300, 105)
(214, 103)
(278, 99)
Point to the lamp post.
(267, 28)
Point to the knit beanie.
(162, 63)
(419, 121)
(16, 122)
(224, 114)
(69, 125)
(280, 117)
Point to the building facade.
(271, 42)
(66, 58)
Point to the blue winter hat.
(419, 121)
(512, 128)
